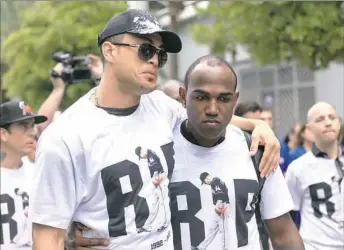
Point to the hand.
(58, 83)
(96, 66)
(82, 243)
(263, 134)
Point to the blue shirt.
(296, 153)
(284, 156)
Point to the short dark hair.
(138, 151)
(301, 135)
(111, 39)
(7, 127)
(212, 61)
(245, 107)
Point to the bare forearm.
(288, 248)
(50, 106)
(48, 245)
(47, 238)
(284, 234)
(244, 124)
(295, 244)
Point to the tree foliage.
(9, 15)
(47, 27)
(309, 32)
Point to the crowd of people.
(185, 165)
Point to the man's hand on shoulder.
(263, 134)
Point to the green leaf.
(47, 27)
(311, 33)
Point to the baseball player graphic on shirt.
(24, 238)
(156, 199)
(221, 212)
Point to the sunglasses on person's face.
(146, 51)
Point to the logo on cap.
(26, 108)
(146, 24)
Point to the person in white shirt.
(209, 150)
(17, 140)
(206, 143)
(315, 181)
(86, 169)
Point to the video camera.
(74, 68)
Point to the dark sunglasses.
(146, 51)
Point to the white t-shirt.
(193, 204)
(316, 193)
(15, 189)
(88, 170)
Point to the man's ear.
(236, 97)
(108, 51)
(182, 94)
(3, 135)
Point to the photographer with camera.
(50, 107)
(59, 78)
(52, 103)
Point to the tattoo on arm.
(70, 237)
(2, 156)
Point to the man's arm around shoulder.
(47, 238)
(284, 234)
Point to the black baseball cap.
(203, 176)
(16, 111)
(140, 22)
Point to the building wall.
(330, 86)
(191, 49)
(287, 89)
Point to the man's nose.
(212, 108)
(154, 60)
(328, 122)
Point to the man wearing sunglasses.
(86, 167)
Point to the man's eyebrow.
(226, 93)
(199, 91)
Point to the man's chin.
(211, 134)
(148, 88)
(329, 140)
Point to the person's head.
(250, 110)
(292, 138)
(134, 47)
(266, 115)
(171, 88)
(17, 128)
(209, 97)
(324, 123)
(205, 178)
(141, 152)
(305, 135)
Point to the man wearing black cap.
(17, 140)
(90, 149)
